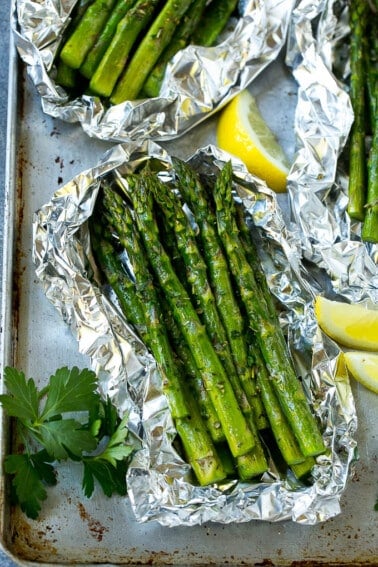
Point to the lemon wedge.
(352, 325)
(363, 366)
(242, 132)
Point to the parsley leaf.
(70, 391)
(109, 467)
(96, 436)
(30, 472)
(22, 399)
(65, 437)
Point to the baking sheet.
(72, 529)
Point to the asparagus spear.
(213, 22)
(156, 40)
(198, 447)
(236, 430)
(357, 172)
(281, 430)
(154, 336)
(191, 372)
(254, 462)
(196, 275)
(180, 39)
(94, 56)
(370, 226)
(227, 304)
(267, 329)
(112, 268)
(86, 32)
(115, 57)
(65, 76)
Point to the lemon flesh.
(363, 366)
(351, 325)
(242, 132)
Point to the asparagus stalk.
(254, 462)
(357, 171)
(180, 39)
(116, 55)
(281, 430)
(213, 22)
(198, 447)
(86, 32)
(113, 270)
(268, 331)
(155, 336)
(227, 304)
(95, 55)
(303, 470)
(196, 275)
(370, 226)
(238, 434)
(191, 372)
(149, 50)
(65, 76)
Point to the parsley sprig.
(67, 419)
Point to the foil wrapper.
(198, 82)
(317, 52)
(158, 478)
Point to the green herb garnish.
(65, 420)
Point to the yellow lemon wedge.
(351, 325)
(363, 366)
(242, 132)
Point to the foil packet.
(317, 53)
(198, 81)
(158, 481)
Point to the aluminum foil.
(198, 81)
(158, 481)
(318, 184)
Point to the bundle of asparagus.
(194, 290)
(119, 49)
(363, 173)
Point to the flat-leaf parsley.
(92, 433)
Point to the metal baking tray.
(42, 154)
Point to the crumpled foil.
(159, 487)
(317, 250)
(318, 184)
(199, 80)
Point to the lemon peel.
(242, 132)
(363, 366)
(352, 325)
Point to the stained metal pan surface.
(43, 154)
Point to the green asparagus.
(116, 55)
(196, 442)
(357, 173)
(95, 55)
(85, 34)
(192, 374)
(214, 21)
(239, 436)
(154, 336)
(194, 194)
(196, 276)
(180, 39)
(267, 330)
(370, 226)
(149, 50)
